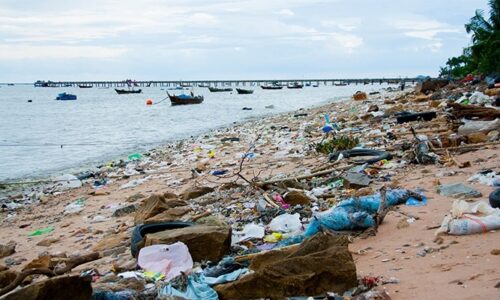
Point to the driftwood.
(474, 111)
(321, 173)
(471, 146)
(48, 272)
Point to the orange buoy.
(149, 102)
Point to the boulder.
(56, 288)
(195, 192)
(6, 277)
(477, 137)
(8, 249)
(431, 85)
(296, 197)
(204, 242)
(356, 180)
(171, 214)
(359, 96)
(155, 205)
(320, 264)
(112, 241)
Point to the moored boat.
(271, 87)
(244, 91)
(184, 99)
(84, 86)
(65, 96)
(120, 92)
(214, 89)
(295, 85)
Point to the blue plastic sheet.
(196, 289)
(357, 213)
(232, 276)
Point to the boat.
(65, 96)
(214, 89)
(295, 85)
(203, 85)
(271, 87)
(84, 86)
(341, 84)
(184, 99)
(120, 92)
(243, 91)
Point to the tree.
(483, 55)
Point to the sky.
(64, 40)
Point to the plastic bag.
(479, 126)
(250, 231)
(170, 260)
(469, 218)
(286, 223)
(196, 289)
(74, 207)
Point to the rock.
(195, 192)
(212, 221)
(135, 197)
(9, 261)
(356, 180)
(126, 210)
(56, 288)
(172, 214)
(495, 252)
(41, 262)
(112, 241)
(297, 198)
(493, 136)
(204, 242)
(492, 92)
(477, 137)
(6, 277)
(430, 85)
(155, 205)
(8, 249)
(458, 190)
(47, 242)
(318, 265)
(373, 107)
(358, 96)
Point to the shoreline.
(282, 146)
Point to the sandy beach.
(403, 251)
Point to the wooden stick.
(300, 177)
(468, 146)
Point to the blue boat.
(64, 96)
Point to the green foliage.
(483, 56)
(340, 143)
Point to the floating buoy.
(149, 102)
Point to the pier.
(215, 83)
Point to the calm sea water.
(103, 125)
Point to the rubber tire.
(379, 155)
(495, 198)
(141, 230)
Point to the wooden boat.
(271, 87)
(340, 84)
(296, 85)
(120, 92)
(185, 99)
(214, 89)
(65, 96)
(84, 86)
(243, 91)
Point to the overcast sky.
(220, 39)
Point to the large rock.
(171, 214)
(296, 197)
(431, 85)
(356, 180)
(204, 242)
(320, 264)
(154, 205)
(196, 191)
(477, 137)
(360, 96)
(8, 249)
(56, 288)
(6, 277)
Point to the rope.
(160, 101)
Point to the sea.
(101, 125)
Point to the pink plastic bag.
(170, 260)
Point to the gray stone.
(458, 190)
(356, 180)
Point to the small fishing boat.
(65, 96)
(295, 85)
(271, 87)
(84, 86)
(184, 99)
(121, 92)
(216, 90)
(244, 91)
(203, 85)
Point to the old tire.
(141, 230)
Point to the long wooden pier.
(170, 83)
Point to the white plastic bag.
(469, 218)
(286, 223)
(169, 260)
(250, 231)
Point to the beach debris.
(469, 218)
(458, 190)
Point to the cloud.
(423, 28)
(346, 24)
(14, 52)
(285, 12)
